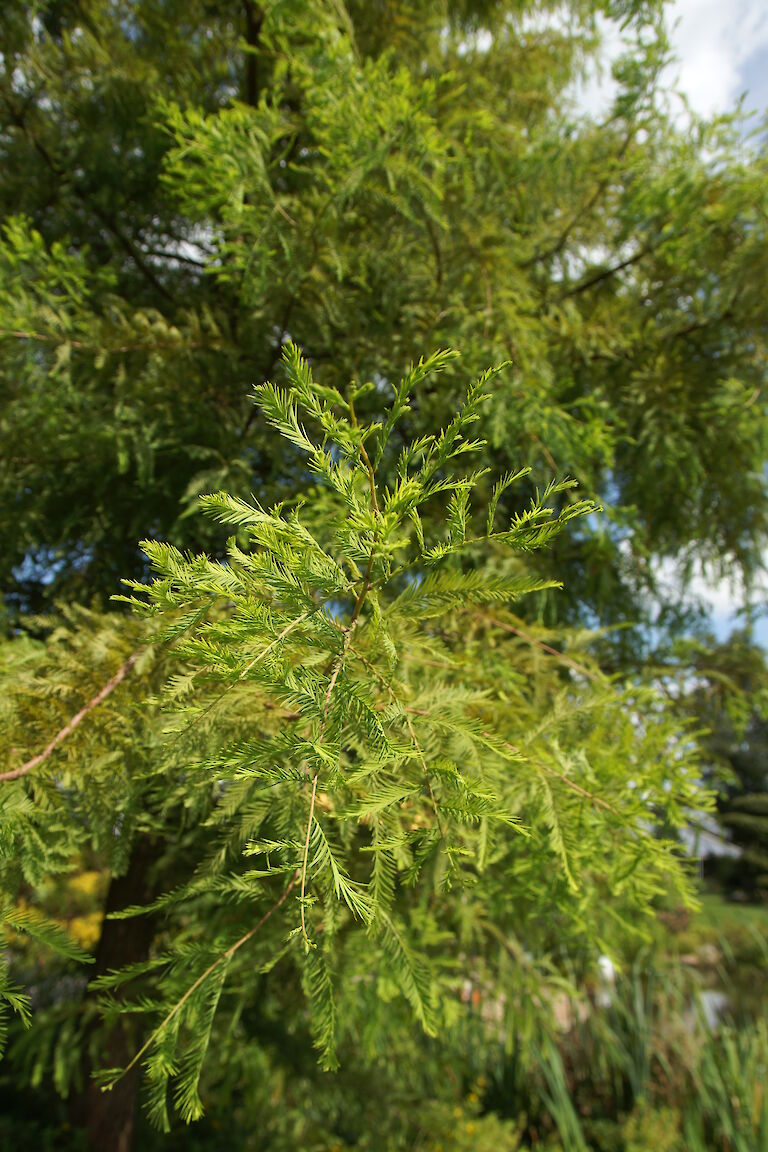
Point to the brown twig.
(544, 647)
(69, 728)
(337, 669)
(305, 937)
(260, 656)
(370, 470)
(567, 780)
(225, 956)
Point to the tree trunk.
(109, 1118)
(254, 18)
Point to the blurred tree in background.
(185, 189)
(728, 699)
(186, 185)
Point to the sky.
(721, 48)
(722, 53)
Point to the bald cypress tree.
(333, 725)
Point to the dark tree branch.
(20, 121)
(605, 274)
(558, 246)
(254, 20)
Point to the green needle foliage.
(364, 749)
(372, 773)
(362, 788)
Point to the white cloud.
(722, 596)
(594, 92)
(713, 42)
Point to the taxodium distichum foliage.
(380, 770)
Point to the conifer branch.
(69, 728)
(395, 700)
(581, 668)
(331, 685)
(223, 958)
(366, 583)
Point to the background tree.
(728, 700)
(186, 185)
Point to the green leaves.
(372, 775)
(347, 714)
(32, 923)
(14, 999)
(329, 691)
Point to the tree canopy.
(187, 186)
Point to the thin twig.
(393, 696)
(577, 787)
(544, 647)
(363, 589)
(225, 956)
(69, 728)
(337, 669)
(368, 466)
(540, 764)
(306, 857)
(598, 800)
(260, 656)
(606, 273)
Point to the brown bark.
(254, 18)
(109, 1118)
